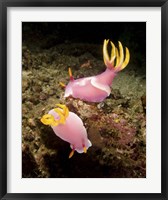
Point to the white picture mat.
(152, 182)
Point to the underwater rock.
(29, 167)
(116, 127)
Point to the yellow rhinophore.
(84, 149)
(70, 72)
(71, 153)
(62, 84)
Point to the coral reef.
(116, 127)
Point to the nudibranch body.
(69, 127)
(97, 88)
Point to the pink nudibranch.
(97, 88)
(69, 127)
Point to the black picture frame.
(4, 4)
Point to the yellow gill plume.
(117, 56)
(63, 113)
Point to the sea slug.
(69, 127)
(97, 88)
